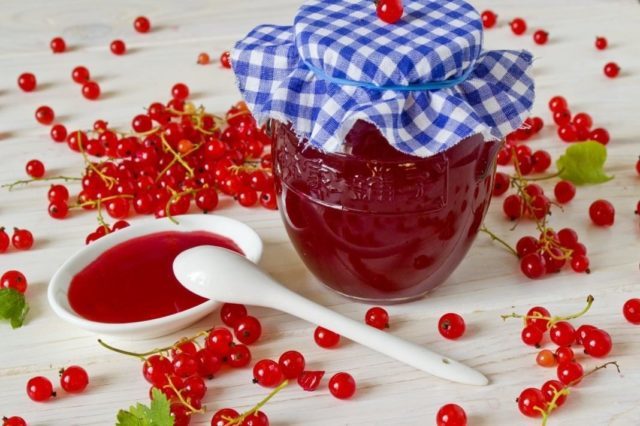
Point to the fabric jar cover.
(424, 82)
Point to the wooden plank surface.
(486, 284)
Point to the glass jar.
(378, 225)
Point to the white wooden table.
(486, 284)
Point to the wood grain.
(486, 285)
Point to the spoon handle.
(388, 344)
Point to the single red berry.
(504, 156)
(4, 240)
(225, 59)
(536, 124)
(209, 363)
(58, 45)
(267, 373)
(489, 19)
(602, 213)
(581, 332)
(533, 265)
(91, 90)
(222, 417)
(203, 59)
(532, 402)
(40, 389)
(326, 338)
(142, 24)
(558, 103)
(390, 11)
(513, 206)
(257, 418)
(35, 169)
(531, 335)
(291, 363)
(526, 245)
(120, 224)
(247, 329)
(118, 47)
(155, 370)
(180, 91)
(568, 237)
(58, 133)
(377, 317)
(342, 386)
(141, 123)
(570, 373)
(219, 340)
(550, 389)
(239, 356)
(600, 135)
(562, 333)
(601, 43)
(451, 326)
(58, 209)
(565, 354)
(74, 379)
(501, 184)
(564, 191)
(631, 311)
(542, 321)
(27, 82)
(540, 37)
(518, 26)
(546, 358)
(247, 197)
(582, 119)
(22, 239)
(45, 115)
(268, 200)
(80, 74)
(568, 133)
(541, 161)
(13, 421)
(184, 365)
(597, 343)
(194, 387)
(611, 70)
(15, 280)
(451, 415)
(230, 313)
(580, 263)
(562, 117)
(310, 380)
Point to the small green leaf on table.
(157, 414)
(13, 306)
(583, 163)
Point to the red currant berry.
(310, 380)
(504, 157)
(194, 388)
(540, 37)
(546, 358)
(223, 416)
(541, 161)
(118, 47)
(15, 280)
(268, 200)
(74, 379)
(631, 311)
(526, 245)
(531, 335)
(58, 45)
(184, 365)
(518, 26)
(80, 74)
(597, 343)
(451, 326)
(225, 59)
(542, 321)
(562, 333)
(558, 103)
(568, 237)
(567, 133)
(377, 317)
(58, 209)
(247, 197)
(390, 11)
(564, 191)
(239, 356)
(247, 329)
(40, 389)
(582, 119)
(91, 90)
(292, 364)
(611, 70)
(600, 135)
(342, 386)
(141, 123)
(513, 207)
(13, 421)
(267, 373)
(142, 24)
(533, 265)
(230, 313)
(451, 415)
(326, 338)
(45, 115)
(4, 240)
(58, 133)
(256, 419)
(532, 402)
(570, 373)
(118, 208)
(501, 184)
(121, 224)
(35, 169)
(155, 370)
(565, 354)
(209, 362)
(550, 389)
(219, 340)
(601, 43)
(602, 213)
(180, 413)
(27, 82)
(22, 239)
(489, 19)
(562, 118)
(207, 199)
(580, 263)
(581, 332)
(180, 91)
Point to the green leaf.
(583, 163)
(13, 306)
(158, 414)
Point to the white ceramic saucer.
(245, 237)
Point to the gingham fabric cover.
(344, 39)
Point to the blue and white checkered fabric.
(339, 63)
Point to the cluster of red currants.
(522, 155)
(73, 379)
(576, 128)
(21, 239)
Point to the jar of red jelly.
(384, 137)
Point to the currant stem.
(175, 196)
(553, 404)
(259, 405)
(98, 202)
(175, 159)
(176, 155)
(10, 186)
(538, 179)
(182, 400)
(142, 355)
(554, 319)
(494, 237)
(597, 368)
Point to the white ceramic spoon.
(219, 274)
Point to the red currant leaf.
(157, 414)
(13, 306)
(583, 163)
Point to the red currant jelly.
(378, 225)
(133, 281)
